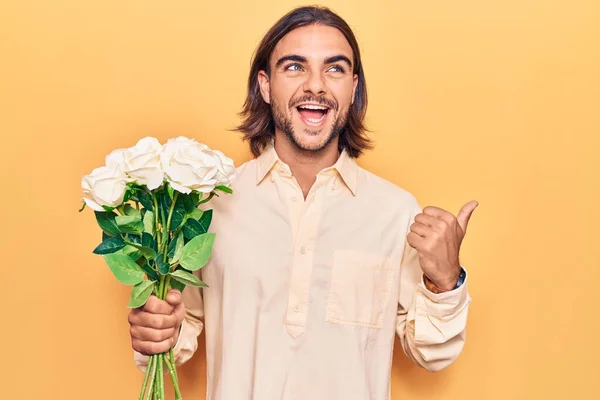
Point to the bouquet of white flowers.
(154, 235)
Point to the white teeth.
(313, 107)
(315, 120)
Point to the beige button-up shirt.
(305, 295)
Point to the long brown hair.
(258, 125)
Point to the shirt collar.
(345, 166)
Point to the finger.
(431, 222)
(174, 297)
(415, 241)
(150, 348)
(464, 215)
(156, 306)
(420, 229)
(155, 321)
(179, 312)
(150, 335)
(439, 214)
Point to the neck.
(305, 164)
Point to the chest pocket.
(360, 288)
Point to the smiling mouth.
(313, 114)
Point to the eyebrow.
(292, 57)
(338, 58)
(297, 58)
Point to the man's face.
(311, 86)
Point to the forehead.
(315, 42)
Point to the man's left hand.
(437, 235)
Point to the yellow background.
(497, 101)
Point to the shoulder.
(384, 191)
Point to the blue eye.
(294, 67)
(337, 68)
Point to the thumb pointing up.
(465, 214)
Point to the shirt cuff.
(446, 304)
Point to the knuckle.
(428, 247)
(135, 344)
(157, 335)
(157, 322)
(150, 305)
(131, 317)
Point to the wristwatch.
(434, 289)
(461, 278)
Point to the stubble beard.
(284, 124)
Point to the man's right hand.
(155, 326)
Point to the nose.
(315, 84)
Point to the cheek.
(283, 90)
(342, 91)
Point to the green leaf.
(163, 266)
(124, 269)
(146, 200)
(177, 285)
(178, 216)
(129, 224)
(206, 219)
(137, 239)
(140, 294)
(110, 245)
(105, 236)
(192, 228)
(147, 239)
(178, 248)
(172, 246)
(147, 252)
(190, 201)
(131, 252)
(171, 191)
(128, 194)
(187, 278)
(150, 272)
(224, 189)
(149, 222)
(132, 211)
(196, 213)
(107, 222)
(196, 252)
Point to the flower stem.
(153, 380)
(174, 378)
(161, 377)
(172, 358)
(168, 227)
(156, 219)
(166, 286)
(148, 368)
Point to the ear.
(265, 87)
(354, 88)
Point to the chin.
(309, 139)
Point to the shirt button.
(302, 249)
(281, 169)
(296, 309)
(294, 199)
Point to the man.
(317, 263)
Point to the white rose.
(226, 169)
(105, 186)
(189, 165)
(140, 162)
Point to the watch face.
(461, 278)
